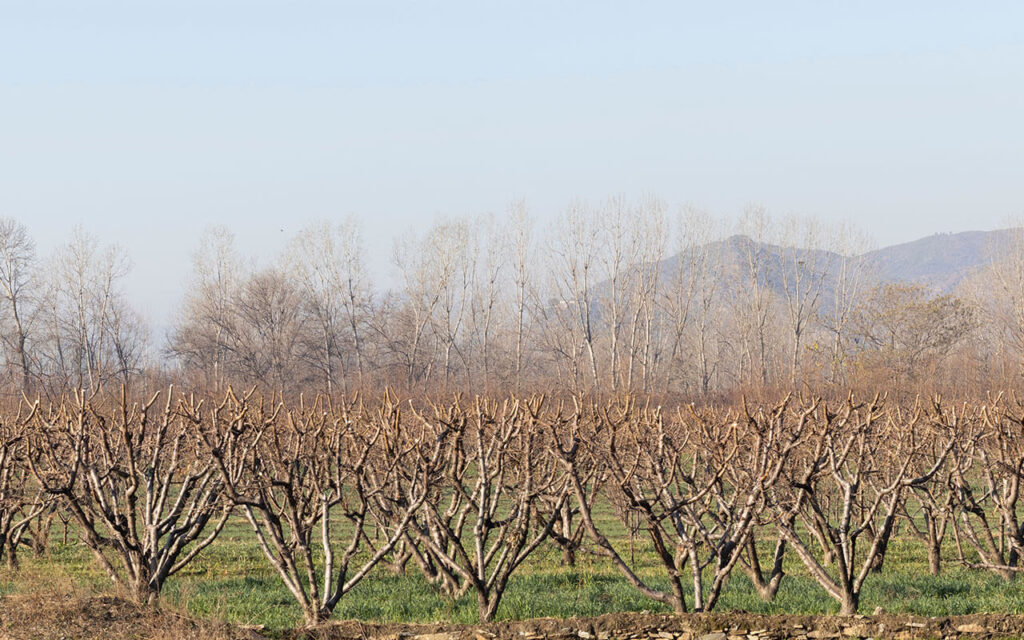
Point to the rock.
(857, 631)
(878, 611)
(822, 633)
(586, 635)
(971, 628)
(717, 635)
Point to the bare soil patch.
(64, 617)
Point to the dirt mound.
(712, 626)
(110, 618)
(102, 617)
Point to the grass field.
(232, 582)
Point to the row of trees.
(465, 492)
(626, 297)
(623, 297)
(65, 322)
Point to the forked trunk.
(768, 588)
(144, 593)
(487, 607)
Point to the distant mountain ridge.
(941, 261)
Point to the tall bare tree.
(202, 338)
(328, 261)
(93, 335)
(805, 264)
(17, 285)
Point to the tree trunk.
(934, 557)
(486, 607)
(934, 543)
(569, 554)
(11, 553)
(879, 560)
(766, 589)
(850, 604)
(145, 593)
(313, 615)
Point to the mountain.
(941, 261)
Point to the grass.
(232, 582)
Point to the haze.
(146, 121)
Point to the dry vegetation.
(696, 420)
(465, 491)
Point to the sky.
(145, 121)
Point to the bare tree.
(487, 261)
(697, 485)
(202, 338)
(650, 230)
(92, 333)
(270, 330)
(435, 275)
(902, 328)
(804, 266)
(752, 296)
(21, 501)
(293, 472)
(478, 521)
(852, 275)
(523, 275)
(691, 299)
(328, 262)
(856, 478)
(17, 282)
(569, 318)
(987, 483)
(136, 483)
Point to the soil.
(110, 618)
(734, 625)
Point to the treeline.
(624, 297)
(65, 322)
(464, 492)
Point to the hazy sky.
(146, 120)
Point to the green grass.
(232, 581)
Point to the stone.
(717, 635)
(971, 628)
